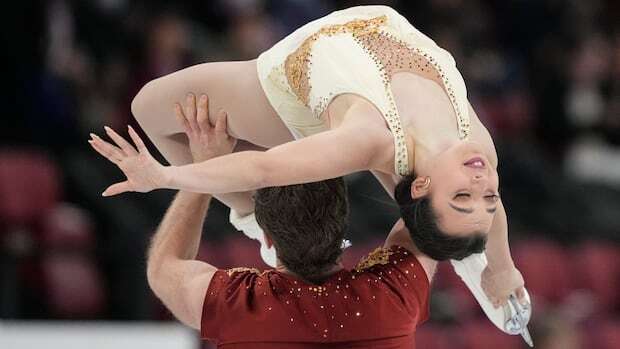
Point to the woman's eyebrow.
(470, 210)
(461, 209)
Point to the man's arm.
(175, 276)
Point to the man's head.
(306, 223)
(450, 205)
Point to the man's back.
(379, 304)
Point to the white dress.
(356, 51)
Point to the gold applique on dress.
(241, 270)
(297, 64)
(381, 255)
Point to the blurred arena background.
(544, 76)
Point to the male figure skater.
(309, 300)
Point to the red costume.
(376, 305)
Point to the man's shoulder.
(241, 271)
(381, 256)
(233, 278)
(393, 258)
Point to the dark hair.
(307, 223)
(421, 221)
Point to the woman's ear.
(420, 187)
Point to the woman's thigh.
(231, 86)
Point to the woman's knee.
(139, 102)
(149, 110)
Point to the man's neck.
(333, 270)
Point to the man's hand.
(143, 172)
(205, 142)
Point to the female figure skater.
(359, 89)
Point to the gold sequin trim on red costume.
(381, 255)
(241, 270)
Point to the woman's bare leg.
(231, 86)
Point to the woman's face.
(463, 190)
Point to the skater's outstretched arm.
(497, 249)
(352, 147)
(326, 155)
(501, 277)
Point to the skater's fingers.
(178, 113)
(221, 123)
(102, 152)
(106, 149)
(202, 117)
(137, 140)
(125, 146)
(520, 293)
(190, 111)
(117, 188)
(497, 302)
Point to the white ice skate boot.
(513, 317)
(249, 227)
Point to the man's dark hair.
(306, 223)
(421, 221)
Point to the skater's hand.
(143, 172)
(205, 141)
(498, 285)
